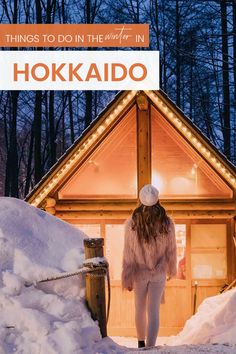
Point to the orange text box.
(78, 35)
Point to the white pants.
(147, 295)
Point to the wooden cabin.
(142, 137)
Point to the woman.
(149, 256)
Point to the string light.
(100, 129)
(152, 94)
(78, 152)
(189, 134)
(165, 108)
(180, 123)
(170, 114)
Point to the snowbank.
(214, 322)
(32, 241)
(51, 318)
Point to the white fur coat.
(148, 261)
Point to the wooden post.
(144, 141)
(195, 298)
(95, 286)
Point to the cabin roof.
(124, 100)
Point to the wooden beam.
(177, 214)
(144, 147)
(199, 205)
(142, 102)
(96, 206)
(129, 206)
(93, 215)
(202, 214)
(49, 205)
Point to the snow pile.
(214, 322)
(51, 318)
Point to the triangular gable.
(91, 137)
(194, 136)
(67, 165)
(110, 172)
(177, 169)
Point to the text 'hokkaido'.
(78, 72)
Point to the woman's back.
(154, 258)
(149, 255)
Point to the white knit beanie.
(149, 195)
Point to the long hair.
(150, 221)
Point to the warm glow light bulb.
(100, 129)
(165, 108)
(129, 96)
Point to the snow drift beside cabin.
(32, 241)
(214, 322)
(51, 318)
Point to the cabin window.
(91, 230)
(180, 233)
(208, 251)
(110, 172)
(178, 171)
(114, 245)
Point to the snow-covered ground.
(51, 318)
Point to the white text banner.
(79, 70)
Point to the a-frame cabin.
(142, 137)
